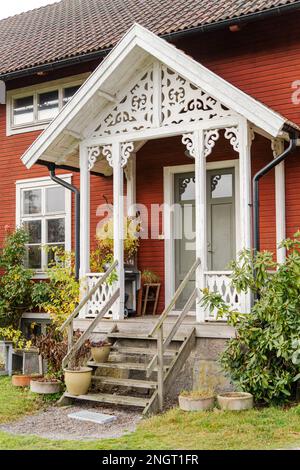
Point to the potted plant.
(78, 377)
(149, 277)
(235, 401)
(100, 350)
(196, 400)
(52, 347)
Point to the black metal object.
(70, 187)
(255, 184)
(66, 62)
(132, 283)
(67, 167)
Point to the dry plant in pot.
(197, 400)
(78, 377)
(100, 350)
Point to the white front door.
(220, 223)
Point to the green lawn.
(256, 429)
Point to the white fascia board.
(232, 97)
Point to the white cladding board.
(98, 418)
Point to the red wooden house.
(176, 105)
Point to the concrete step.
(121, 365)
(111, 398)
(146, 384)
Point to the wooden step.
(147, 384)
(121, 365)
(141, 351)
(134, 335)
(110, 398)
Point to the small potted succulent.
(100, 350)
(197, 400)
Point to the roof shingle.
(75, 27)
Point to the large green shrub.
(260, 358)
(16, 280)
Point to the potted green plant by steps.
(100, 350)
(78, 377)
(197, 400)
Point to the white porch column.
(278, 148)
(244, 147)
(131, 185)
(84, 211)
(118, 218)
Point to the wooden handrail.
(88, 296)
(174, 298)
(90, 328)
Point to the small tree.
(259, 358)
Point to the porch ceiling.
(139, 47)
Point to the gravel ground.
(53, 423)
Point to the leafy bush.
(15, 336)
(16, 280)
(58, 296)
(259, 358)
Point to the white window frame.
(34, 91)
(44, 183)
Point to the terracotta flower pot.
(78, 381)
(23, 380)
(235, 401)
(45, 387)
(196, 404)
(101, 354)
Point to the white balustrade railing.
(98, 300)
(219, 281)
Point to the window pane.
(69, 92)
(187, 188)
(221, 186)
(48, 105)
(34, 229)
(32, 202)
(34, 257)
(55, 230)
(51, 253)
(55, 200)
(23, 110)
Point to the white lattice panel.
(219, 281)
(100, 297)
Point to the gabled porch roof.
(60, 140)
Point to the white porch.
(146, 90)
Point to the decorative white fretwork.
(277, 147)
(126, 149)
(188, 141)
(134, 110)
(93, 154)
(210, 138)
(173, 98)
(220, 282)
(101, 296)
(184, 102)
(232, 134)
(251, 134)
(107, 152)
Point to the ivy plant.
(261, 358)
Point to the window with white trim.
(44, 210)
(32, 108)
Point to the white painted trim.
(280, 210)
(46, 182)
(140, 41)
(34, 90)
(168, 222)
(84, 212)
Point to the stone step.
(147, 384)
(111, 398)
(121, 365)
